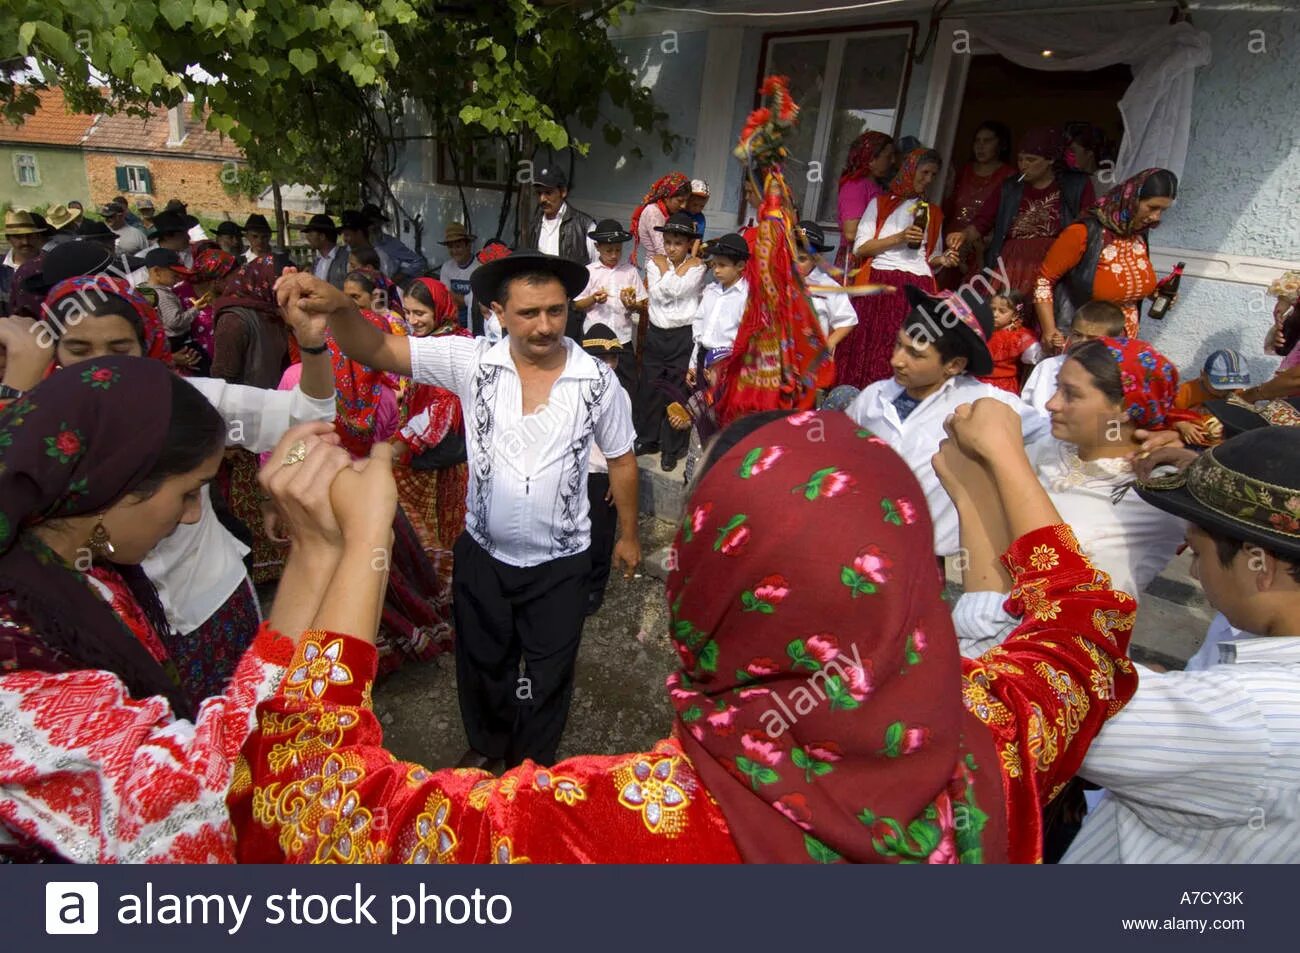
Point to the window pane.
(804, 61)
(867, 98)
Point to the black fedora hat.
(69, 260)
(321, 223)
(1246, 488)
(172, 221)
(255, 223)
(1238, 417)
(814, 237)
(728, 246)
(600, 339)
(93, 228)
(679, 223)
(609, 230)
(229, 228)
(963, 313)
(550, 177)
(487, 280)
(373, 213)
(353, 220)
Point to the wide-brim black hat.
(814, 237)
(353, 220)
(609, 230)
(964, 313)
(321, 223)
(373, 213)
(229, 228)
(600, 339)
(1246, 488)
(172, 221)
(487, 279)
(255, 223)
(679, 223)
(728, 246)
(85, 257)
(1242, 418)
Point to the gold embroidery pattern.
(242, 779)
(1074, 701)
(482, 792)
(1044, 558)
(437, 841)
(315, 668)
(1031, 592)
(977, 695)
(1106, 622)
(1042, 738)
(1011, 760)
(1102, 678)
(322, 810)
(567, 790)
(503, 852)
(314, 732)
(657, 791)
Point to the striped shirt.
(1202, 767)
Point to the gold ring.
(297, 454)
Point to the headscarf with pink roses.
(819, 696)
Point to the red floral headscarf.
(1150, 383)
(904, 182)
(91, 289)
(862, 153)
(664, 188)
(1117, 209)
(445, 309)
(855, 625)
(212, 264)
(493, 251)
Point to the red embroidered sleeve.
(99, 777)
(1048, 689)
(314, 784)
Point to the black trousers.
(504, 613)
(604, 523)
(665, 361)
(626, 371)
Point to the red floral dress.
(1007, 346)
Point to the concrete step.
(663, 493)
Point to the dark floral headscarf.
(664, 188)
(251, 286)
(70, 299)
(862, 153)
(1117, 209)
(819, 695)
(74, 445)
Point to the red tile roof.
(124, 133)
(52, 124)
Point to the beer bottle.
(920, 220)
(1165, 293)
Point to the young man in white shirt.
(130, 240)
(258, 232)
(675, 281)
(534, 404)
(943, 342)
(1093, 320)
(722, 305)
(614, 297)
(456, 272)
(331, 262)
(834, 310)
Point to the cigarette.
(1022, 177)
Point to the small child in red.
(1011, 344)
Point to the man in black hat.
(405, 262)
(534, 404)
(942, 345)
(230, 238)
(258, 232)
(1202, 766)
(196, 231)
(171, 230)
(356, 236)
(331, 262)
(559, 229)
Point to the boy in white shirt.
(615, 295)
(1096, 319)
(834, 311)
(717, 320)
(675, 281)
(943, 341)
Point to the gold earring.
(99, 544)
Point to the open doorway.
(1023, 98)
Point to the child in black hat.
(615, 295)
(676, 280)
(834, 310)
(602, 343)
(722, 305)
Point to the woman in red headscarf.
(666, 196)
(822, 713)
(250, 339)
(865, 177)
(1104, 255)
(883, 254)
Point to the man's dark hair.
(948, 343)
(1105, 314)
(537, 277)
(367, 257)
(1101, 366)
(1227, 548)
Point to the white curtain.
(1156, 108)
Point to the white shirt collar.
(1271, 650)
(578, 363)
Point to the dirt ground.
(619, 703)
